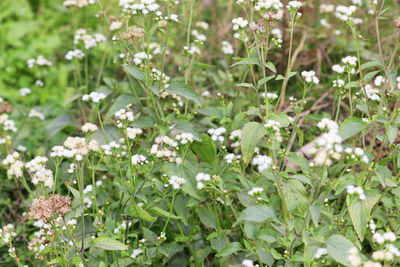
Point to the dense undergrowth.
(199, 133)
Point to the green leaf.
(270, 66)
(121, 102)
(108, 243)
(352, 84)
(245, 61)
(247, 85)
(135, 72)
(338, 248)
(230, 249)
(372, 64)
(207, 217)
(63, 120)
(180, 89)
(264, 80)
(258, 213)
(252, 132)
(360, 210)
(369, 76)
(160, 212)
(350, 127)
(205, 149)
(392, 133)
(139, 212)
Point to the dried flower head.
(43, 209)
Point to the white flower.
(344, 12)
(294, 5)
(217, 134)
(262, 162)
(115, 25)
(138, 159)
(78, 54)
(227, 48)
(247, 263)
(338, 68)
(25, 91)
(33, 113)
(239, 23)
(320, 252)
(89, 127)
(94, 97)
(133, 132)
(310, 77)
(184, 138)
(176, 182)
(136, 252)
(255, 191)
(353, 258)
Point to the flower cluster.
(176, 182)
(39, 172)
(217, 134)
(164, 147)
(39, 61)
(184, 138)
(262, 162)
(89, 41)
(94, 97)
(78, 3)
(351, 189)
(202, 178)
(14, 165)
(76, 53)
(328, 145)
(310, 77)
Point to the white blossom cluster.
(76, 53)
(320, 252)
(328, 145)
(217, 134)
(310, 77)
(256, 192)
(192, 49)
(294, 5)
(124, 115)
(39, 171)
(8, 125)
(141, 57)
(248, 263)
(276, 37)
(7, 233)
(138, 159)
(275, 126)
(35, 114)
(95, 97)
(184, 138)
(176, 182)
(40, 61)
(201, 179)
(388, 252)
(78, 3)
(353, 257)
(235, 136)
(356, 153)
(262, 162)
(89, 41)
(344, 13)
(115, 25)
(326, 8)
(110, 147)
(164, 148)
(140, 7)
(231, 157)
(372, 93)
(133, 132)
(89, 127)
(227, 48)
(351, 189)
(270, 9)
(14, 165)
(24, 91)
(74, 147)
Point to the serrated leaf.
(350, 127)
(338, 248)
(135, 72)
(180, 89)
(372, 64)
(207, 217)
(230, 249)
(270, 66)
(63, 120)
(205, 149)
(258, 213)
(252, 132)
(108, 243)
